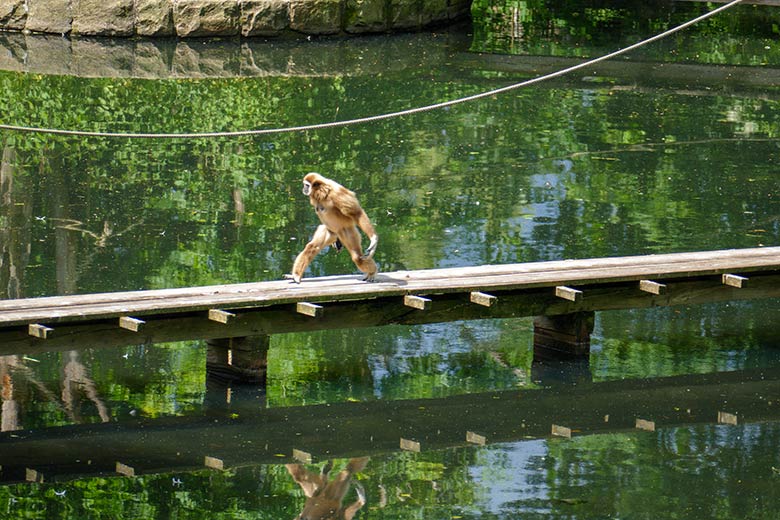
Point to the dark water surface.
(674, 148)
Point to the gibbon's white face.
(306, 188)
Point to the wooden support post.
(475, 438)
(31, 475)
(124, 469)
(568, 293)
(302, 456)
(561, 431)
(565, 336)
(213, 463)
(643, 424)
(238, 360)
(37, 330)
(483, 299)
(409, 445)
(727, 418)
(733, 280)
(131, 324)
(221, 316)
(417, 302)
(652, 287)
(309, 309)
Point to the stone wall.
(193, 18)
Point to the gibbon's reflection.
(323, 497)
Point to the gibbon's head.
(315, 185)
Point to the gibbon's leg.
(351, 511)
(350, 238)
(368, 229)
(321, 239)
(337, 488)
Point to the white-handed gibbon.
(341, 216)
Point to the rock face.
(13, 14)
(103, 17)
(320, 17)
(193, 18)
(365, 16)
(154, 18)
(49, 16)
(206, 17)
(264, 17)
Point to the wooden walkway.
(436, 295)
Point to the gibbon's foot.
(371, 249)
(369, 278)
(361, 492)
(292, 278)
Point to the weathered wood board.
(580, 274)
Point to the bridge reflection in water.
(247, 435)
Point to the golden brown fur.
(341, 214)
(323, 497)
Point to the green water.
(620, 160)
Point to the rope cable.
(379, 117)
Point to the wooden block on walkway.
(652, 287)
(213, 463)
(642, 424)
(733, 280)
(302, 456)
(727, 418)
(124, 469)
(131, 324)
(310, 309)
(417, 302)
(221, 316)
(561, 431)
(31, 475)
(39, 331)
(484, 299)
(409, 445)
(475, 438)
(567, 293)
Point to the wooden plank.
(658, 268)
(302, 456)
(643, 424)
(561, 431)
(39, 331)
(410, 445)
(124, 469)
(652, 287)
(733, 280)
(567, 293)
(213, 463)
(475, 438)
(727, 418)
(31, 475)
(309, 309)
(484, 299)
(221, 316)
(383, 311)
(131, 324)
(417, 302)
